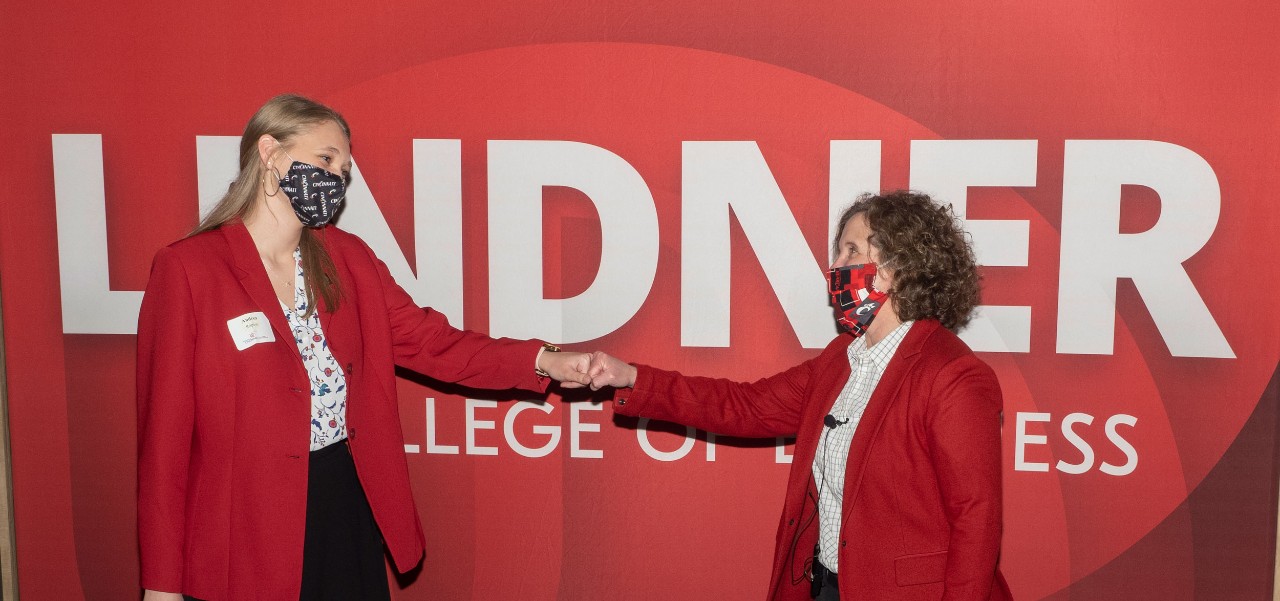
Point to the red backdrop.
(1187, 512)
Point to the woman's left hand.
(570, 369)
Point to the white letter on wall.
(719, 177)
(577, 427)
(780, 454)
(642, 435)
(89, 306)
(1130, 453)
(1021, 439)
(433, 426)
(437, 227)
(474, 424)
(855, 170)
(946, 169)
(1095, 253)
(518, 170)
(217, 165)
(551, 432)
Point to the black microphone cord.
(830, 423)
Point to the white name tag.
(250, 329)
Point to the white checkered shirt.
(866, 366)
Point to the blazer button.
(843, 543)
(791, 522)
(622, 402)
(351, 433)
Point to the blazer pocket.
(921, 568)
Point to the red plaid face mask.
(855, 297)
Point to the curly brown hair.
(935, 273)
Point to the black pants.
(830, 587)
(342, 557)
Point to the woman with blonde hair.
(270, 458)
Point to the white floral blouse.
(328, 382)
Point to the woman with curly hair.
(895, 478)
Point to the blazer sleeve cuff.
(629, 401)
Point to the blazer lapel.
(339, 331)
(882, 400)
(253, 277)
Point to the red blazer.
(922, 504)
(224, 434)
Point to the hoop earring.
(263, 179)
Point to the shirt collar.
(883, 351)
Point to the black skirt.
(342, 556)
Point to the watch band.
(547, 347)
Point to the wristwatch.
(547, 347)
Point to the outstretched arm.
(424, 341)
(765, 408)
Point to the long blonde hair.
(282, 118)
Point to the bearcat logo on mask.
(855, 297)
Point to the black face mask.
(314, 193)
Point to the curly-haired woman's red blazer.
(922, 485)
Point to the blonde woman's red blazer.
(224, 434)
